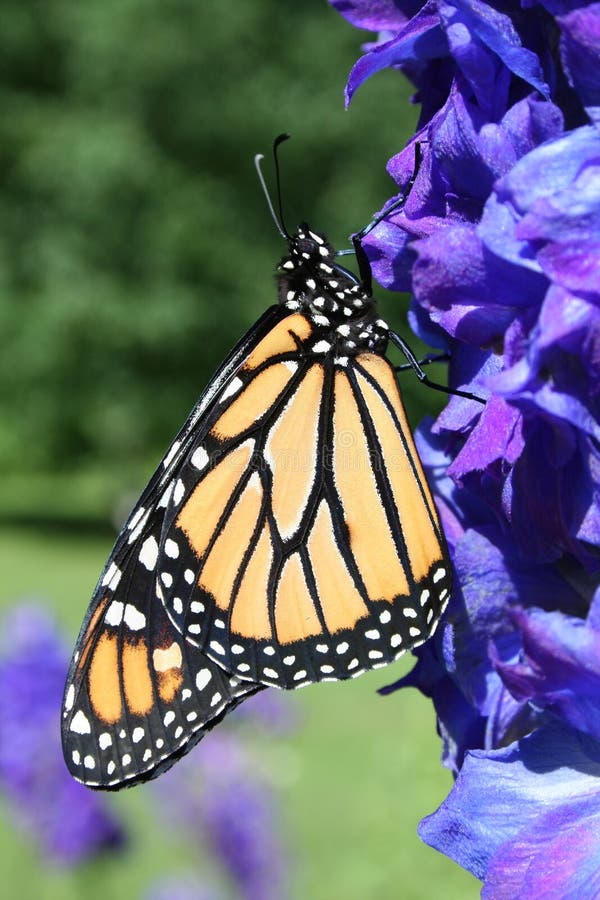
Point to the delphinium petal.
(536, 790)
(219, 797)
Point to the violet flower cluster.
(218, 796)
(499, 243)
(68, 822)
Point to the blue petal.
(559, 858)
(580, 52)
(504, 794)
(560, 671)
(421, 39)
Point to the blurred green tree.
(135, 246)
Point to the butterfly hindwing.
(138, 695)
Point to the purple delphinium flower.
(269, 710)
(218, 795)
(69, 822)
(182, 887)
(499, 242)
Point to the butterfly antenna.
(278, 220)
(279, 140)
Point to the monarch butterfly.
(287, 537)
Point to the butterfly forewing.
(302, 543)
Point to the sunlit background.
(135, 250)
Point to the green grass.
(354, 779)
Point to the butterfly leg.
(426, 361)
(414, 364)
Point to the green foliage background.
(135, 250)
(135, 245)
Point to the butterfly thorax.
(343, 313)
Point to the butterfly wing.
(138, 696)
(301, 542)
(135, 698)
